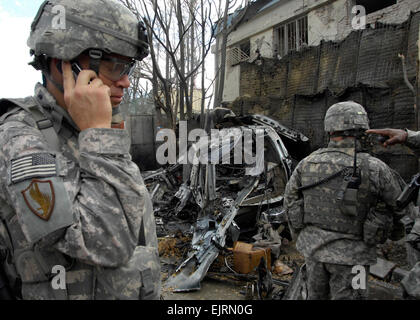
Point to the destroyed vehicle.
(225, 199)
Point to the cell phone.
(75, 67)
(76, 70)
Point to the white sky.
(17, 78)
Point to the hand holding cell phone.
(86, 97)
(75, 67)
(76, 70)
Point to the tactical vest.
(322, 204)
(33, 266)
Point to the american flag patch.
(36, 165)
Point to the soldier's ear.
(57, 64)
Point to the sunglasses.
(114, 68)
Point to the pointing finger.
(378, 131)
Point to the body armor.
(323, 203)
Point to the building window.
(291, 36)
(246, 48)
(375, 5)
(239, 53)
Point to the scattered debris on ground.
(225, 222)
(217, 203)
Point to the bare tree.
(181, 33)
(174, 48)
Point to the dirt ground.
(222, 283)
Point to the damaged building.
(291, 60)
(273, 29)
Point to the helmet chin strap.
(95, 60)
(59, 86)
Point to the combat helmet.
(346, 116)
(93, 26)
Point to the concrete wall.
(259, 31)
(326, 22)
(232, 77)
(263, 42)
(395, 14)
(275, 15)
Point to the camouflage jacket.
(413, 138)
(84, 207)
(332, 246)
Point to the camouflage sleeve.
(96, 209)
(110, 203)
(293, 201)
(413, 138)
(385, 184)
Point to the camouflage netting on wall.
(365, 67)
(366, 57)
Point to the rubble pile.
(209, 207)
(225, 221)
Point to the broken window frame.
(239, 53)
(291, 36)
(376, 6)
(246, 47)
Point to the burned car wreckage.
(221, 200)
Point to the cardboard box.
(246, 258)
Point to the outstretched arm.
(394, 136)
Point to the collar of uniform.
(50, 105)
(345, 143)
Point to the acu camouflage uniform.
(411, 283)
(331, 241)
(99, 210)
(74, 198)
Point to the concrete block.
(398, 274)
(379, 290)
(382, 268)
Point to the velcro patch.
(40, 197)
(33, 166)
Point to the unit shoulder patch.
(39, 196)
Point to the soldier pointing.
(411, 283)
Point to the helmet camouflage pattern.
(104, 25)
(347, 115)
